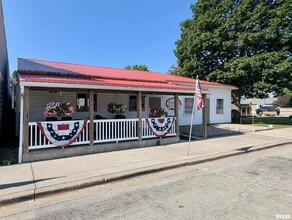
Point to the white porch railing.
(38, 141)
(114, 130)
(106, 130)
(147, 133)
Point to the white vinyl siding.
(39, 99)
(215, 93)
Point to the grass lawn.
(265, 121)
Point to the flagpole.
(191, 126)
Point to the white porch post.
(176, 114)
(23, 134)
(139, 115)
(25, 119)
(20, 148)
(91, 113)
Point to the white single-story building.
(89, 89)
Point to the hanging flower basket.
(157, 112)
(59, 109)
(117, 109)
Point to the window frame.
(220, 106)
(87, 102)
(190, 109)
(132, 109)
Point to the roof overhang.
(39, 74)
(210, 85)
(102, 87)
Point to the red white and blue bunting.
(160, 126)
(63, 133)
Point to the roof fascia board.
(204, 85)
(78, 86)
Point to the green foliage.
(157, 142)
(287, 91)
(137, 67)
(14, 81)
(246, 43)
(284, 101)
(175, 70)
(277, 122)
(116, 108)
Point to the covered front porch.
(100, 134)
(90, 89)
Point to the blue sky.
(108, 33)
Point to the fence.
(106, 130)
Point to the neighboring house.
(5, 94)
(249, 106)
(90, 89)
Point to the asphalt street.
(257, 185)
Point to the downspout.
(20, 148)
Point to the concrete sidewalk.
(31, 180)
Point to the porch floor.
(70, 151)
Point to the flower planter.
(66, 118)
(120, 117)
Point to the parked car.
(268, 110)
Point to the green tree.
(284, 101)
(246, 43)
(14, 82)
(137, 67)
(175, 70)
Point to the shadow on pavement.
(245, 149)
(11, 185)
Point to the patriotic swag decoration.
(160, 126)
(198, 94)
(63, 133)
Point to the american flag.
(198, 94)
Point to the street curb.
(110, 178)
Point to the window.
(133, 103)
(189, 102)
(154, 102)
(219, 106)
(83, 102)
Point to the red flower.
(157, 112)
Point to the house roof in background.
(257, 101)
(57, 72)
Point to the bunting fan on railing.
(160, 126)
(62, 133)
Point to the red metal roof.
(57, 72)
(104, 82)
